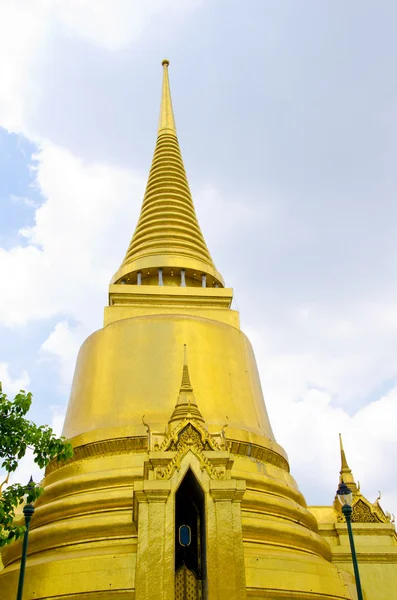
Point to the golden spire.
(346, 474)
(186, 406)
(168, 236)
(186, 386)
(166, 120)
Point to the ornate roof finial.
(344, 465)
(186, 386)
(346, 474)
(186, 406)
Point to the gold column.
(155, 556)
(228, 581)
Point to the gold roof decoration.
(187, 431)
(363, 510)
(168, 235)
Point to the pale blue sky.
(286, 114)
(17, 192)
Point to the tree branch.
(4, 483)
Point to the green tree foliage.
(17, 434)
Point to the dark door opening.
(190, 566)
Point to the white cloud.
(78, 240)
(57, 419)
(22, 32)
(213, 208)
(346, 349)
(314, 395)
(113, 24)
(62, 345)
(11, 385)
(27, 25)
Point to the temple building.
(177, 488)
(374, 534)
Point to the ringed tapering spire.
(168, 236)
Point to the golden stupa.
(177, 487)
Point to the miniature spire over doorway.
(186, 406)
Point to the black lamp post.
(28, 511)
(346, 498)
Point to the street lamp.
(346, 498)
(28, 511)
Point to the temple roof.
(364, 511)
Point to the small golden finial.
(346, 474)
(165, 62)
(344, 464)
(184, 354)
(186, 406)
(186, 384)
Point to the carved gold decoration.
(365, 512)
(260, 453)
(141, 444)
(187, 585)
(362, 513)
(190, 433)
(113, 446)
(187, 436)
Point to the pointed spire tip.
(185, 372)
(166, 121)
(345, 473)
(186, 406)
